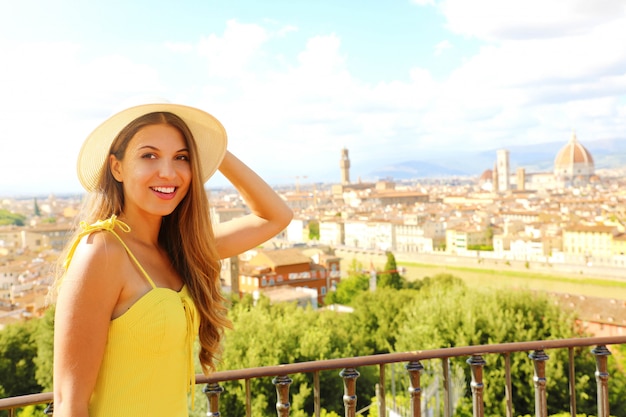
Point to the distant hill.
(607, 153)
(417, 169)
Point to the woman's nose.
(166, 169)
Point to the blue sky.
(295, 81)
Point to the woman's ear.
(116, 168)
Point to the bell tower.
(503, 167)
(344, 164)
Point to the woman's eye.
(183, 157)
(148, 156)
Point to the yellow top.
(147, 369)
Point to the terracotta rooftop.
(573, 153)
(599, 228)
(280, 257)
(595, 309)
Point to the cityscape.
(569, 220)
(457, 175)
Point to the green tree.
(355, 283)
(440, 312)
(485, 248)
(489, 234)
(7, 218)
(17, 354)
(380, 315)
(390, 277)
(36, 210)
(314, 230)
(447, 314)
(44, 340)
(267, 334)
(32, 411)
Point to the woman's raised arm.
(269, 213)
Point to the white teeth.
(166, 190)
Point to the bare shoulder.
(99, 254)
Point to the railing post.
(447, 393)
(572, 382)
(212, 391)
(477, 363)
(602, 379)
(349, 376)
(539, 358)
(282, 384)
(415, 390)
(380, 394)
(248, 398)
(316, 394)
(508, 390)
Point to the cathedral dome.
(486, 176)
(573, 161)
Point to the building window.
(263, 282)
(272, 282)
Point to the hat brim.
(208, 132)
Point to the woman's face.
(155, 172)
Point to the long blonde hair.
(186, 234)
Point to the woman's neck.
(144, 230)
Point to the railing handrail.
(24, 400)
(359, 361)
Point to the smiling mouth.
(164, 190)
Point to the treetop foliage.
(10, 218)
(435, 312)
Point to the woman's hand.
(269, 212)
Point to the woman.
(141, 276)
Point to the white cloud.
(442, 46)
(51, 99)
(538, 75)
(547, 66)
(554, 70)
(286, 30)
(498, 19)
(230, 55)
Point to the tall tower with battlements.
(503, 167)
(344, 164)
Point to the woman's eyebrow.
(156, 148)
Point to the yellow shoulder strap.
(108, 225)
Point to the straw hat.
(208, 132)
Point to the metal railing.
(348, 367)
